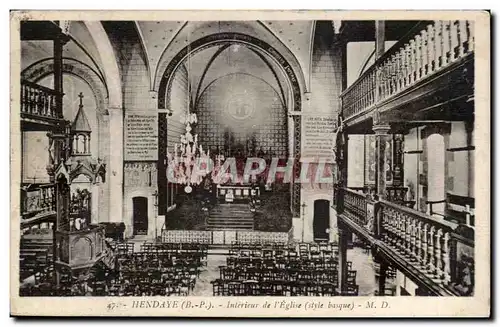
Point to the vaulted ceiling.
(161, 40)
(164, 39)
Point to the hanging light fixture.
(188, 156)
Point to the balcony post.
(343, 240)
(379, 38)
(58, 75)
(382, 277)
(381, 135)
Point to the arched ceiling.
(81, 47)
(213, 63)
(164, 39)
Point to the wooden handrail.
(38, 86)
(448, 224)
(426, 49)
(393, 49)
(40, 101)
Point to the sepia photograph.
(212, 164)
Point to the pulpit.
(79, 249)
(78, 242)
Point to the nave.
(177, 269)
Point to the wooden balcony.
(418, 72)
(436, 254)
(39, 106)
(38, 204)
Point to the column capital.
(381, 129)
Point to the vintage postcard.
(250, 164)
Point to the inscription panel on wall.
(141, 136)
(318, 140)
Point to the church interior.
(360, 135)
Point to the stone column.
(381, 134)
(115, 168)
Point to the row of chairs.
(272, 288)
(158, 270)
(313, 275)
(283, 262)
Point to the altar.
(237, 193)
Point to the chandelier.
(188, 158)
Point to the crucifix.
(304, 205)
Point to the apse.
(239, 97)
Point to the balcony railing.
(39, 101)
(423, 52)
(38, 201)
(440, 251)
(355, 205)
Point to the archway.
(294, 105)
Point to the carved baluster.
(52, 107)
(394, 226)
(390, 216)
(396, 239)
(408, 236)
(362, 92)
(411, 62)
(383, 80)
(425, 236)
(462, 37)
(418, 242)
(430, 251)
(404, 231)
(445, 252)
(413, 239)
(425, 52)
(33, 101)
(439, 44)
(454, 52)
(394, 73)
(37, 102)
(418, 55)
(386, 226)
(388, 69)
(402, 53)
(446, 42)
(437, 253)
(431, 48)
(44, 104)
(29, 100)
(470, 35)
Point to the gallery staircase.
(230, 216)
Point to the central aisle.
(209, 273)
